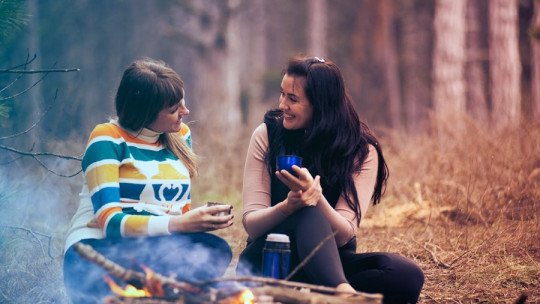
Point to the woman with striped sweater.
(135, 203)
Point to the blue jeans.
(189, 257)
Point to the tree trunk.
(391, 71)
(317, 27)
(448, 61)
(535, 42)
(505, 66)
(211, 31)
(35, 96)
(416, 49)
(477, 59)
(254, 62)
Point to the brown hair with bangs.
(147, 87)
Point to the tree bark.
(505, 66)
(476, 60)
(253, 65)
(390, 62)
(317, 27)
(209, 29)
(448, 61)
(416, 48)
(535, 42)
(35, 95)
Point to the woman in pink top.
(343, 171)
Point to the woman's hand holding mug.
(204, 218)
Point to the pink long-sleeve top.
(258, 214)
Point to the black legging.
(399, 279)
(187, 256)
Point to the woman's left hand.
(302, 182)
(300, 199)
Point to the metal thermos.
(276, 256)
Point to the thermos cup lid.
(278, 238)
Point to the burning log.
(156, 283)
(165, 290)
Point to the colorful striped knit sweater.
(132, 184)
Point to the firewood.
(137, 279)
(293, 296)
(289, 284)
(282, 291)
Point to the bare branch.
(54, 172)
(39, 71)
(36, 154)
(12, 160)
(25, 90)
(35, 123)
(35, 235)
(26, 62)
(9, 85)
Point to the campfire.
(153, 288)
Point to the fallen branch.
(290, 284)
(287, 295)
(137, 279)
(285, 292)
(434, 256)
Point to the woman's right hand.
(297, 199)
(202, 219)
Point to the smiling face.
(297, 109)
(169, 119)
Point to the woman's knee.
(311, 218)
(407, 279)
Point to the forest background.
(452, 88)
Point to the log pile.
(264, 290)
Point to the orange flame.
(247, 297)
(152, 287)
(129, 291)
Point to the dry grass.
(465, 208)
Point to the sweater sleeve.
(258, 215)
(104, 154)
(343, 218)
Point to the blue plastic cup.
(285, 162)
(276, 256)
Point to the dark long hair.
(336, 144)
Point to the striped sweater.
(132, 184)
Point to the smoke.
(36, 208)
